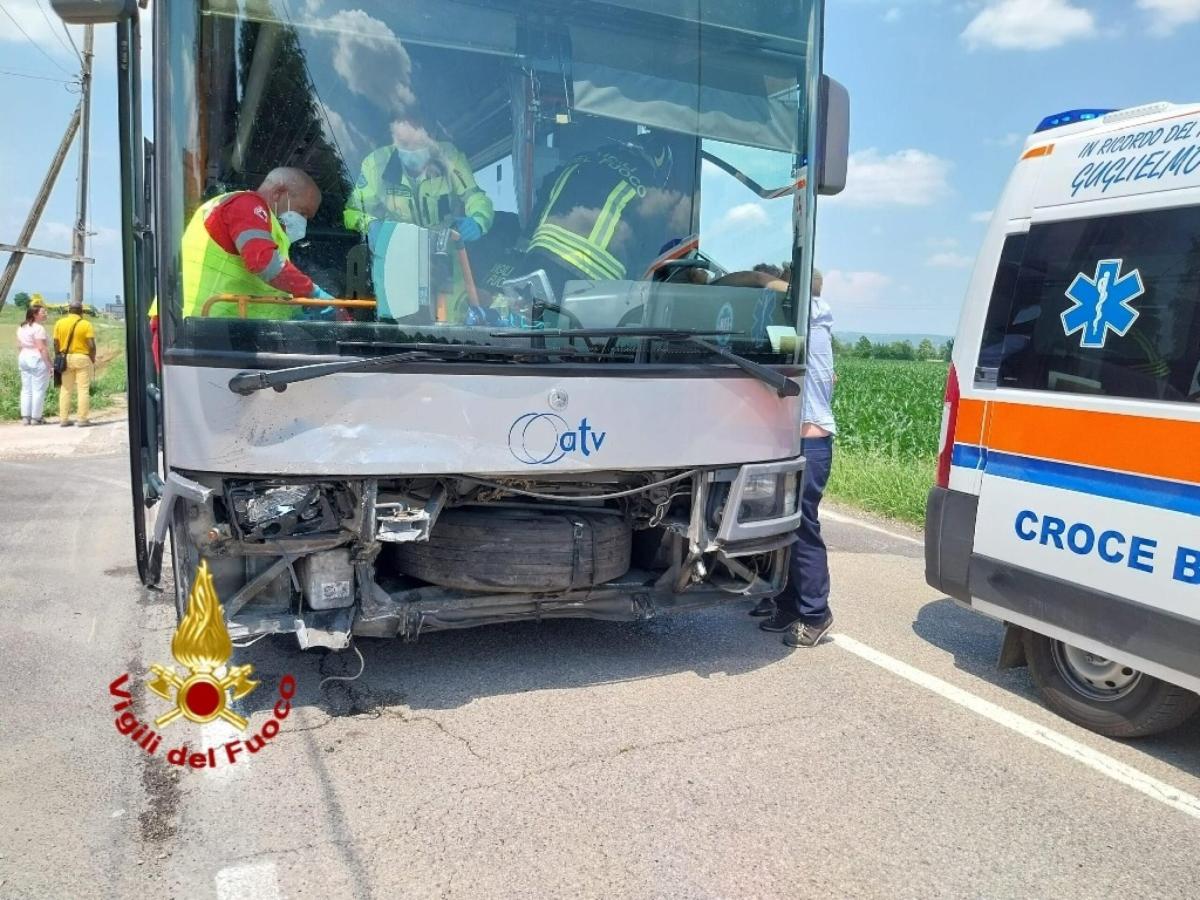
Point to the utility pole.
(35, 212)
(81, 220)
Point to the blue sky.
(943, 92)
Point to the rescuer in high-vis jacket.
(239, 243)
(418, 180)
(421, 181)
(592, 223)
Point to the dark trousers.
(807, 591)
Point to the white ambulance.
(1068, 495)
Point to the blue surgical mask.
(413, 160)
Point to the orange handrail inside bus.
(243, 302)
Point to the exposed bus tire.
(1129, 704)
(516, 551)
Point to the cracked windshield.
(398, 173)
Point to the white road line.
(254, 881)
(1047, 737)
(850, 520)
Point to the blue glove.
(320, 293)
(468, 229)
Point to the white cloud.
(351, 143)
(943, 243)
(855, 287)
(949, 260)
(905, 178)
(893, 15)
(1029, 25)
(746, 214)
(1167, 15)
(982, 217)
(371, 60)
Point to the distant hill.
(850, 337)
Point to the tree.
(838, 347)
(926, 350)
(948, 350)
(897, 350)
(21, 300)
(288, 127)
(863, 347)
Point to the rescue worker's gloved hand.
(315, 314)
(324, 314)
(468, 229)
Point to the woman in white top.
(34, 363)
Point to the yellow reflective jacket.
(208, 271)
(446, 190)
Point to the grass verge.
(889, 416)
(884, 485)
(108, 384)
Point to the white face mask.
(295, 226)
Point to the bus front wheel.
(1102, 695)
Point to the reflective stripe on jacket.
(595, 188)
(385, 191)
(209, 270)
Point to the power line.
(74, 46)
(35, 44)
(41, 8)
(36, 77)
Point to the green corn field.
(889, 416)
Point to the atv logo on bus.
(542, 439)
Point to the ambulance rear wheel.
(1102, 695)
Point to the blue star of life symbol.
(1102, 303)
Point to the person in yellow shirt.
(75, 337)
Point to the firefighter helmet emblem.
(202, 646)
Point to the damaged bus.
(585, 404)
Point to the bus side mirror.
(833, 137)
(94, 12)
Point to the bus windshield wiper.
(783, 385)
(246, 383)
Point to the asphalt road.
(686, 757)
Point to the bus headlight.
(763, 502)
(768, 496)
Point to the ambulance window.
(1107, 306)
(995, 329)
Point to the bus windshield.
(464, 172)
